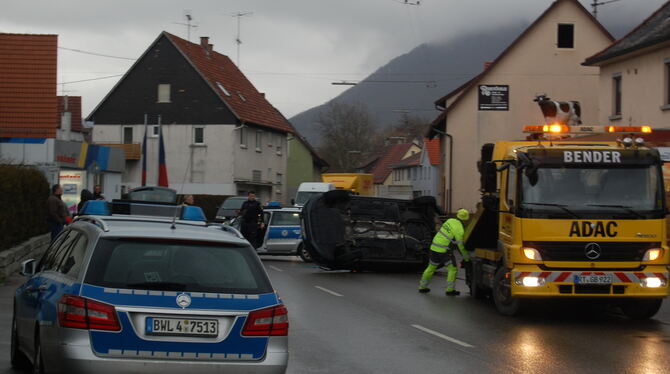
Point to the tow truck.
(567, 218)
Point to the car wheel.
(17, 358)
(38, 362)
(641, 309)
(304, 254)
(505, 303)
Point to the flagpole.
(144, 151)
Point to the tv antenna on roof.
(595, 4)
(189, 18)
(238, 40)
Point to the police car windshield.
(595, 189)
(176, 266)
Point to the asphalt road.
(343, 322)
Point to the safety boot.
(452, 293)
(424, 290)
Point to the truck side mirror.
(489, 177)
(292, 201)
(28, 268)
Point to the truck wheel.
(641, 308)
(304, 254)
(502, 294)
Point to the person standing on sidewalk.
(57, 213)
(446, 241)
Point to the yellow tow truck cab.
(563, 218)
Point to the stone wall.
(10, 259)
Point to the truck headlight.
(530, 281)
(652, 254)
(532, 254)
(652, 282)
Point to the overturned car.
(342, 231)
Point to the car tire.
(18, 360)
(304, 254)
(641, 309)
(38, 361)
(505, 303)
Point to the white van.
(308, 189)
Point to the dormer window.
(223, 89)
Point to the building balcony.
(132, 151)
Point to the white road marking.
(275, 268)
(329, 291)
(440, 335)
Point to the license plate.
(593, 279)
(182, 327)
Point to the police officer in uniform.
(442, 249)
(251, 214)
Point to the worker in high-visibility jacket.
(447, 239)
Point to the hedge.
(23, 201)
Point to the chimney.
(487, 64)
(204, 41)
(263, 94)
(210, 47)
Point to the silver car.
(121, 293)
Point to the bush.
(209, 203)
(23, 198)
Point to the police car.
(128, 288)
(282, 234)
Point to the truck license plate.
(593, 279)
(182, 327)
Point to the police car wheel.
(18, 359)
(502, 295)
(641, 309)
(304, 254)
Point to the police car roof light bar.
(103, 208)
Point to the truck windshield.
(622, 191)
(303, 196)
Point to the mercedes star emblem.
(592, 251)
(183, 300)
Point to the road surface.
(343, 322)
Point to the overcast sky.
(292, 49)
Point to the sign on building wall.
(72, 181)
(493, 97)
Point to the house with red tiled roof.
(546, 58)
(43, 130)
(381, 168)
(222, 136)
(28, 103)
(421, 170)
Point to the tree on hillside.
(347, 134)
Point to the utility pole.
(595, 4)
(238, 40)
(189, 18)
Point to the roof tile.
(28, 104)
(246, 102)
